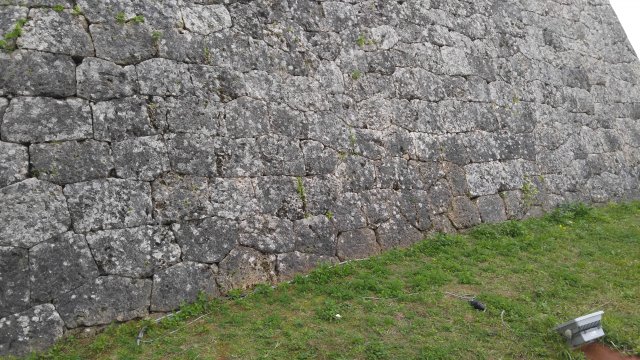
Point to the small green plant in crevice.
(362, 41)
(77, 11)
(9, 39)
(207, 56)
(353, 141)
(356, 74)
(58, 8)
(138, 19)
(301, 193)
(529, 192)
(329, 214)
(156, 36)
(121, 18)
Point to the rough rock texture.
(153, 149)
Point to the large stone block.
(99, 79)
(107, 299)
(124, 44)
(191, 114)
(357, 244)
(178, 197)
(208, 240)
(244, 268)
(34, 73)
(267, 234)
(71, 161)
(32, 211)
(182, 283)
(108, 204)
(316, 235)
(39, 119)
(135, 252)
(14, 163)
(464, 213)
(194, 154)
(492, 209)
(32, 330)
(121, 119)
(60, 265)
(14, 280)
(163, 77)
(143, 158)
(205, 19)
(56, 32)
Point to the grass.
(531, 275)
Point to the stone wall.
(150, 149)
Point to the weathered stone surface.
(244, 268)
(9, 16)
(397, 233)
(32, 211)
(121, 119)
(35, 329)
(316, 235)
(194, 154)
(205, 19)
(60, 265)
(191, 114)
(464, 213)
(14, 163)
(39, 119)
(247, 117)
(290, 264)
(56, 32)
(357, 244)
(182, 283)
(124, 44)
(14, 277)
(108, 204)
(208, 240)
(71, 161)
(281, 196)
(34, 73)
(163, 77)
(134, 252)
(491, 209)
(267, 234)
(165, 14)
(177, 197)
(104, 300)
(233, 198)
(143, 158)
(99, 79)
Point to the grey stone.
(281, 196)
(104, 300)
(163, 77)
(244, 268)
(108, 204)
(487, 178)
(60, 265)
(124, 44)
(246, 117)
(182, 283)
(134, 252)
(165, 14)
(56, 32)
(464, 213)
(397, 233)
(195, 115)
(32, 330)
(195, 154)
(318, 159)
(267, 234)
(238, 158)
(283, 155)
(205, 19)
(9, 16)
(177, 197)
(233, 198)
(39, 119)
(357, 244)
(492, 209)
(208, 240)
(143, 158)
(291, 264)
(32, 211)
(71, 161)
(121, 119)
(316, 235)
(34, 73)
(14, 277)
(14, 163)
(514, 204)
(99, 79)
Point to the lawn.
(531, 275)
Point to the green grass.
(531, 275)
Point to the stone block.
(31, 212)
(163, 77)
(464, 213)
(71, 161)
(100, 80)
(40, 119)
(134, 252)
(108, 204)
(233, 198)
(206, 241)
(123, 44)
(121, 119)
(195, 154)
(60, 265)
(177, 197)
(492, 209)
(315, 235)
(106, 299)
(283, 155)
(397, 233)
(143, 158)
(297, 263)
(246, 117)
(191, 114)
(14, 163)
(357, 244)
(182, 283)
(238, 158)
(244, 268)
(267, 234)
(318, 158)
(56, 32)
(14, 277)
(34, 73)
(205, 19)
(281, 196)
(36, 329)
